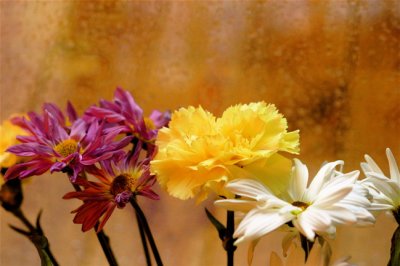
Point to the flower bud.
(11, 195)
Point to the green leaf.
(38, 226)
(19, 230)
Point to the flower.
(332, 198)
(125, 116)
(118, 184)
(257, 130)
(11, 195)
(320, 255)
(8, 134)
(199, 153)
(52, 145)
(384, 190)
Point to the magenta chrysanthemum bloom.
(53, 145)
(126, 116)
(119, 182)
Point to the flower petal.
(236, 204)
(248, 188)
(299, 180)
(319, 180)
(258, 223)
(394, 170)
(372, 165)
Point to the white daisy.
(384, 190)
(331, 198)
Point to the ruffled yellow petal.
(257, 130)
(199, 153)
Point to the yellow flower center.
(302, 205)
(121, 183)
(149, 123)
(66, 147)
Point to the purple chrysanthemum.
(54, 145)
(119, 182)
(125, 116)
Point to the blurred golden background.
(331, 67)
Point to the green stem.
(147, 230)
(50, 255)
(395, 249)
(230, 228)
(143, 239)
(105, 245)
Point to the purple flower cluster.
(124, 116)
(106, 142)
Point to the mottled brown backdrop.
(332, 67)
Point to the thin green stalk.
(229, 247)
(105, 245)
(143, 239)
(147, 230)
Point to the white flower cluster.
(332, 198)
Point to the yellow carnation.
(199, 153)
(8, 133)
(257, 131)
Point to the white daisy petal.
(257, 224)
(302, 223)
(343, 179)
(332, 195)
(299, 180)
(366, 168)
(341, 215)
(379, 207)
(319, 180)
(248, 188)
(387, 188)
(394, 170)
(372, 165)
(385, 191)
(319, 219)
